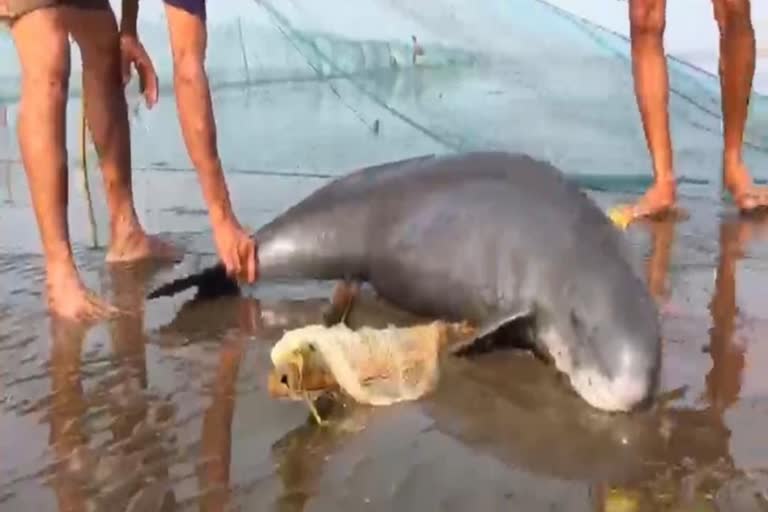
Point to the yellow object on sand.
(617, 500)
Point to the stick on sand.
(84, 167)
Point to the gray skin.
(491, 238)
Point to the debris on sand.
(373, 366)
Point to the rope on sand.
(84, 167)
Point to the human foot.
(659, 199)
(136, 245)
(746, 195)
(69, 299)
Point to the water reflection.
(699, 485)
(113, 444)
(724, 378)
(723, 381)
(216, 440)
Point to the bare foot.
(138, 245)
(658, 200)
(746, 195)
(69, 299)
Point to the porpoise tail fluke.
(211, 282)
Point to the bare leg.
(737, 69)
(649, 69)
(95, 31)
(41, 42)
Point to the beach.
(167, 408)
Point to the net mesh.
(374, 366)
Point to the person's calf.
(106, 111)
(95, 31)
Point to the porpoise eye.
(575, 322)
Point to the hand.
(237, 250)
(132, 52)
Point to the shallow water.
(167, 409)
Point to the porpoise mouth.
(623, 393)
(626, 387)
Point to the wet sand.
(168, 409)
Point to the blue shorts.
(195, 7)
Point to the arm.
(128, 17)
(188, 34)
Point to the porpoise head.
(605, 335)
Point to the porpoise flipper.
(344, 294)
(491, 326)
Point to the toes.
(749, 203)
(97, 309)
(751, 198)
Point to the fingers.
(251, 255)
(97, 309)
(233, 266)
(134, 53)
(241, 261)
(148, 82)
(125, 64)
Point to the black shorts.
(196, 7)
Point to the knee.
(100, 52)
(733, 16)
(100, 48)
(48, 71)
(647, 17)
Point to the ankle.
(124, 226)
(734, 170)
(732, 160)
(61, 271)
(664, 182)
(663, 172)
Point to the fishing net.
(373, 366)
